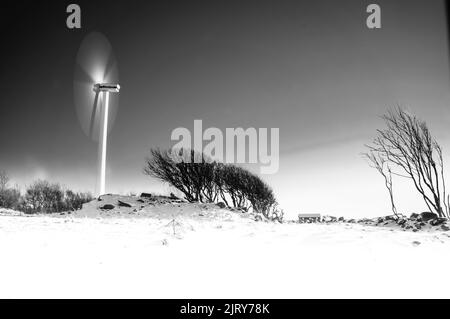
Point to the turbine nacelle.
(106, 87)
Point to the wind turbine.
(96, 76)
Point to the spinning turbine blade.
(93, 114)
(95, 63)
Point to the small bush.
(40, 197)
(75, 201)
(9, 197)
(44, 197)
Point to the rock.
(173, 196)
(416, 243)
(140, 201)
(445, 228)
(107, 206)
(351, 221)
(380, 220)
(221, 205)
(414, 216)
(329, 219)
(401, 222)
(391, 217)
(341, 219)
(426, 216)
(124, 204)
(146, 195)
(438, 221)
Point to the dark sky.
(311, 68)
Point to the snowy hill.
(164, 248)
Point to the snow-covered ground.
(186, 253)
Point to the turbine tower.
(104, 88)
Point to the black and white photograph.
(224, 149)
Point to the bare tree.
(382, 166)
(408, 145)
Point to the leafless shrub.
(202, 180)
(45, 197)
(9, 196)
(4, 180)
(75, 200)
(189, 172)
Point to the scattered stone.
(414, 216)
(416, 243)
(437, 221)
(351, 221)
(341, 219)
(173, 196)
(426, 216)
(164, 242)
(221, 205)
(329, 219)
(107, 206)
(124, 204)
(445, 228)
